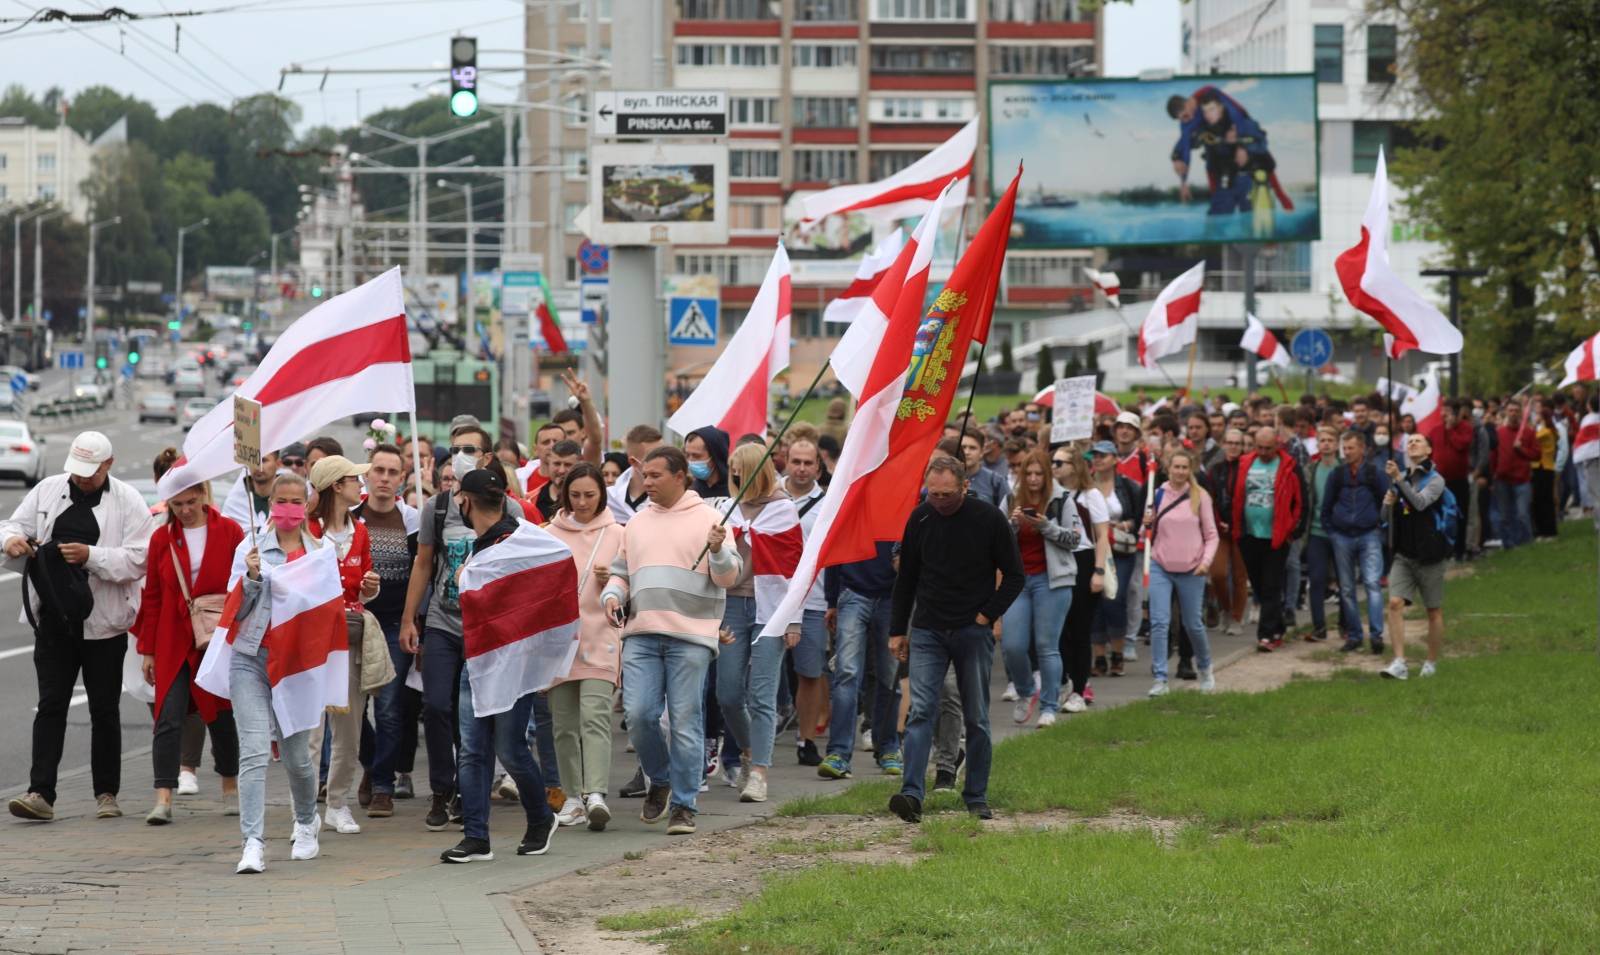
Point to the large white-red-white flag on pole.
(849, 304)
(1174, 318)
(1586, 445)
(348, 355)
(519, 617)
(733, 395)
(1581, 364)
(1425, 406)
(1109, 285)
(1265, 344)
(909, 192)
(1372, 287)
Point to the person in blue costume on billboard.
(1239, 165)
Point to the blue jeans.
(970, 650)
(1514, 522)
(863, 629)
(1363, 554)
(1319, 557)
(1191, 589)
(1034, 621)
(659, 670)
(502, 735)
(256, 724)
(390, 712)
(542, 734)
(1111, 618)
(1291, 580)
(442, 666)
(748, 672)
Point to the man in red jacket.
(1516, 450)
(1451, 438)
(1269, 512)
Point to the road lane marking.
(14, 652)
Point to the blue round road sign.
(19, 384)
(1311, 348)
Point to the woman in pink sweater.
(580, 705)
(1183, 542)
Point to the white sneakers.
(572, 813)
(306, 846)
(1396, 670)
(1428, 669)
(596, 811)
(1022, 711)
(506, 788)
(1075, 704)
(254, 859)
(1047, 719)
(755, 788)
(342, 821)
(188, 783)
(1130, 651)
(1158, 688)
(1208, 681)
(1010, 694)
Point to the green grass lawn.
(1452, 815)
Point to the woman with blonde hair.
(1081, 510)
(1183, 540)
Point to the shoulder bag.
(205, 611)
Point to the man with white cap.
(84, 533)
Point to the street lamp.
(88, 294)
(38, 260)
(177, 285)
(472, 249)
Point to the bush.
(1047, 369)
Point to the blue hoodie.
(717, 444)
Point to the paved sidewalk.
(82, 884)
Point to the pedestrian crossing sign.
(692, 321)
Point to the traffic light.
(463, 76)
(133, 358)
(316, 291)
(100, 362)
(174, 325)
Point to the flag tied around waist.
(776, 542)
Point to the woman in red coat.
(199, 542)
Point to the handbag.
(205, 611)
(377, 669)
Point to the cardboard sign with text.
(246, 432)
(1073, 416)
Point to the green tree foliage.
(1508, 175)
(95, 109)
(17, 102)
(1046, 376)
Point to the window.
(47, 162)
(728, 54)
(752, 164)
(701, 54)
(2, 160)
(823, 55)
(1034, 11)
(1052, 271)
(922, 59)
(583, 9)
(806, 322)
(580, 51)
(2, 191)
(1329, 53)
(47, 192)
(572, 270)
(725, 10)
(813, 10)
(755, 216)
(824, 111)
(922, 9)
(1013, 60)
(570, 215)
(729, 269)
(902, 109)
(1380, 53)
(753, 111)
(888, 162)
(576, 162)
(1368, 139)
(825, 165)
(577, 105)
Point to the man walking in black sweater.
(954, 548)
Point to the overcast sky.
(224, 55)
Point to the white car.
(90, 387)
(21, 455)
(188, 381)
(158, 406)
(193, 410)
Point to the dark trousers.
(1265, 565)
(58, 658)
(1319, 560)
(171, 727)
(390, 710)
(442, 664)
(1544, 503)
(1077, 647)
(1462, 490)
(411, 708)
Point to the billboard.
(230, 282)
(1183, 160)
(652, 193)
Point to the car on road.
(91, 387)
(188, 381)
(158, 406)
(151, 369)
(21, 455)
(239, 376)
(193, 410)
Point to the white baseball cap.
(1130, 419)
(89, 450)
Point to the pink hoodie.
(1183, 541)
(659, 580)
(594, 545)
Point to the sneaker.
(506, 788)
(981, 810)
(364, 790)
(1047, 719)
(1130, 653)
(32, 806)
(403, 789)
(572, 814)
(755, 788)
(1428, 669)
(1186, 669)
(891, 763)
(1023, 710)
(682, 821)
(1074, 704)
(1208, 680)
(1010, 694)
(105, 807)
(1396, 670)
(230, 803)
(1263, 645)
(438, 813)
(834, 767)
(732, 775)
(1351, 645)
(306, 844)
(253, 859)
(160, 814)
(1377, 646)
(188, 783)
(469, 850)
(655, 804)
(342, 821)
(1232, 628)
(536, 840)
(807, 753)
(866, 740)
(635, 787)
(457, 817)
(943, 781)
(1158, 688)
(906, 806)
(1316, 636)
(1088, 696)
(598, 813)
(713, 760)
(381, 807)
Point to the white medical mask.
(463, 463)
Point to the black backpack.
(65, 600)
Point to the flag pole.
(1194, 349)
(1135, 333)
(416, 457)
(1394, 418)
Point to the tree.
(17, 101)
(96, 108)
(126, 181)
(1046, 377)
(1007, 362)
(238, 230)
(1506, 172)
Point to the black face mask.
(466, 515)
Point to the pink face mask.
(287, 516)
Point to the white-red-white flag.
(776, 542)
(1372, 287)
(1581, 365)
(1392, 347)
(519, 617)
(909, 192)
(308, 666)
(1262, 342)
(1109, 285)
(853, 299)
(733, 395)
(1174, 319)
(1586, 444)
(1425, 406)
(348, 355)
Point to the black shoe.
(1377, 646)
(468, 850)
(1351, 644)
(1186, 669)
(403, 788)
(635, 787)
(1101, 667)
(907, 807)
(981, 810)
(536, 841)
(457, 817)
(808, 755)
(944, 781)
(655, 804)
(438, 813)
(681, 822)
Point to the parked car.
(158, 406)
(188, 381)
(193, 410)
(21, 454)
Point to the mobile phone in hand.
(1030, 511)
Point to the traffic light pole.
(88, 292)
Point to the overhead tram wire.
(193, 38)
(160, 48)
(131, 62)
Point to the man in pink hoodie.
(666, 592)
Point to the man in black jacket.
(954, 548)
(1420, 549)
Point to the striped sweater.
(656, 578)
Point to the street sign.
(246, 432)
(692, 321)
(69, 360)
(1311, 348)
(595, 294)
(142, 288)
(594, 258)
(663, 113)
(517, 290)
(19, 383)
(127, 371)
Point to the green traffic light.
(464, 103)
(174, 325)
(133, 358)
(100, 362)
(316, 291)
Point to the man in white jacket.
(102, 525)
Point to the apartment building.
(44, 164)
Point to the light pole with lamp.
(472, 249)
(16, 259)
(38, 260)
(177, 284)
(88, 292)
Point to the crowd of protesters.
(1172, 524)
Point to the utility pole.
(88, 292)
(472, 249)
(1249, 253)
(419, 185)
(16, 260)
(1455, 276)
(177, 282)
(38, 261)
